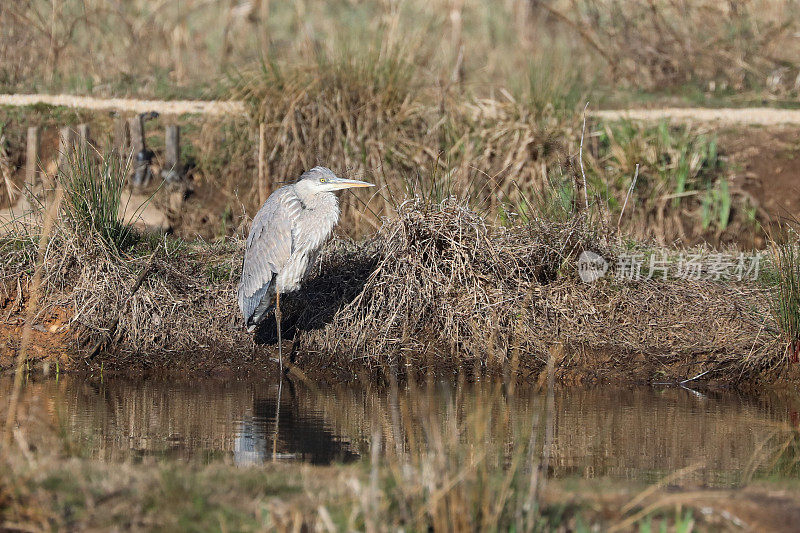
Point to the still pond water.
(639, 433)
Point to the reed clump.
(93, 186)
(368, 115)
(786, 300)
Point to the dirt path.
(760, 116)
(172, 107)
(748, 116)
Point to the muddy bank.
(438, 289)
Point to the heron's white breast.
(311, 228)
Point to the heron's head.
(321, 179)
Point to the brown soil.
(49, 342)
(767, 163)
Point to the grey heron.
(285, 238)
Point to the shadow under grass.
(338, 280)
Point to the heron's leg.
(278, 323)
(277, 419)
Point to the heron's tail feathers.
(254, 308)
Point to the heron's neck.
(324, 202)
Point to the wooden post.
(66, 143)
(122, 138)
(65, 147)
(263, 166)
(83, 136)
(136, 128)
(173, 172)
(32, 158)
(172, 156)
(5, 170)
(142, 173)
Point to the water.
(639, 433)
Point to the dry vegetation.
(717, 47)
(475, 143)
(486, 296)
(481, 211)
(494, 106)
(439, 287)
(367, 116)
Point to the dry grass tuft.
(451, 285)
(449, 280)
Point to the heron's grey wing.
(269, 246)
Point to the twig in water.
(698, 376)
(630, 190)
(701, 374)
(580, 159)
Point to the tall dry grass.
(169, 49)
(367, 115)
(718, 47)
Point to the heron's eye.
(322, 180)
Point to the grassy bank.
(83, 494)
(439, 287)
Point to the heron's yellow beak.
(342, 183)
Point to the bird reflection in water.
(277, 429)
